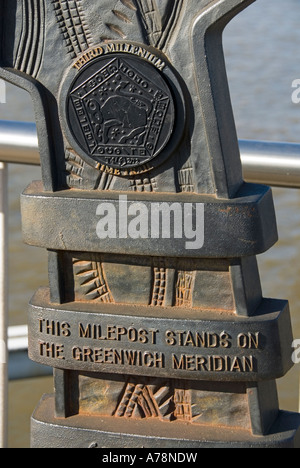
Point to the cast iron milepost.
(154, 320)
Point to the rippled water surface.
(263, 59)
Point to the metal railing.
(270, 163)
(276, 164)
(19, 142)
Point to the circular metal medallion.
(120, 111)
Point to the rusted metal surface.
(150, 433)
(154, 319)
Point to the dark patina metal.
(154, 320)
(120, 111)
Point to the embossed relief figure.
(168, 400)
(117, 115)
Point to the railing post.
(3, 308)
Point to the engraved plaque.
(120, 111)
(116, 340)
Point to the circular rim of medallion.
(121, 112)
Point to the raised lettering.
(189, 362)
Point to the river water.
(263, 59)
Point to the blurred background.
(263, 59)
